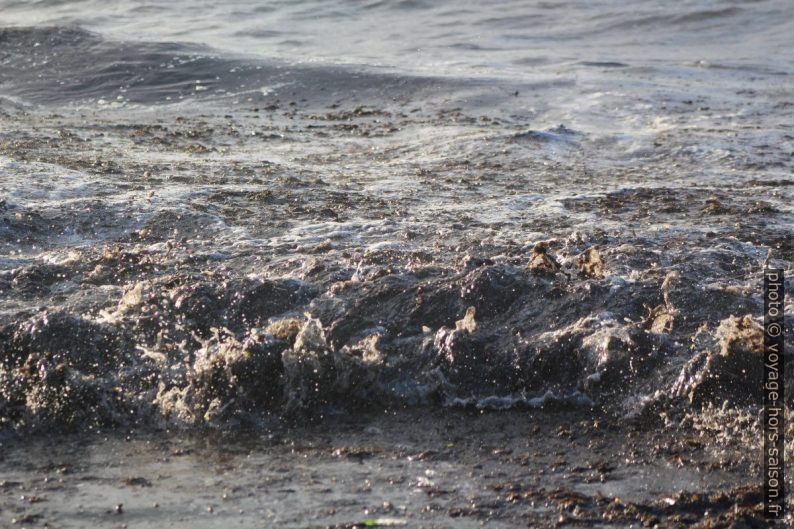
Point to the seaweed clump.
(230, 380)
(730, 373)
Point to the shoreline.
(419, 467)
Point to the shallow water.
(409, 469)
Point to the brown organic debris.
(740, 336)
(590, 263)
(468, 323)
(729, 374)
(714, 207)
(660, 320)
(541, 262)
(286, 329)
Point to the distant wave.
(52, 65)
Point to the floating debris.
(590, 263)
(729, 373)
(468, 323)
(541, 262)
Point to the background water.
(605, 68)
(501, 39)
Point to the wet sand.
(414, 468)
